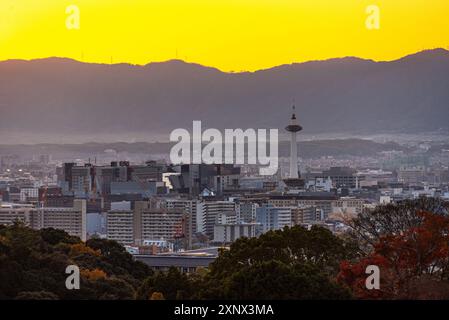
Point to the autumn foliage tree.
(413, 262)
(393, 219)
(93, 275)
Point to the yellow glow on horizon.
(232, 35)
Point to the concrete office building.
(10, 212)
(80, 180)
(72, 220)
(30, 195)
(306, 214)
(246, 211)
(91, 179)
(342, 177)
(53, 196)
(208, 212)
(226, 218)
(144, 222)
(412, 174)
(321, 200)
(192, 207)
(120, 223)
(163, 224)
(348, 205)
(194, 178)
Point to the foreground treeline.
(409, 242)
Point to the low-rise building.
(228, 233)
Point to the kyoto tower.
(293, 127)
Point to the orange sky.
(232, 35)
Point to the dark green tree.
(275, 280)
(172, 284)
(277, 263)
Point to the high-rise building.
(93, 179)
(53, 196)
(208, 212)
(194, 178)
(189, 206)
(246, 211)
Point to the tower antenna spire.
(293, 110)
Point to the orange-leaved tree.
(414, 264)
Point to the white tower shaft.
(293, 157)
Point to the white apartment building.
(227, 233)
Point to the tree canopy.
(33, 264)
(407, 241)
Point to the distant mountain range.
(63, 97)
(308, 149)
